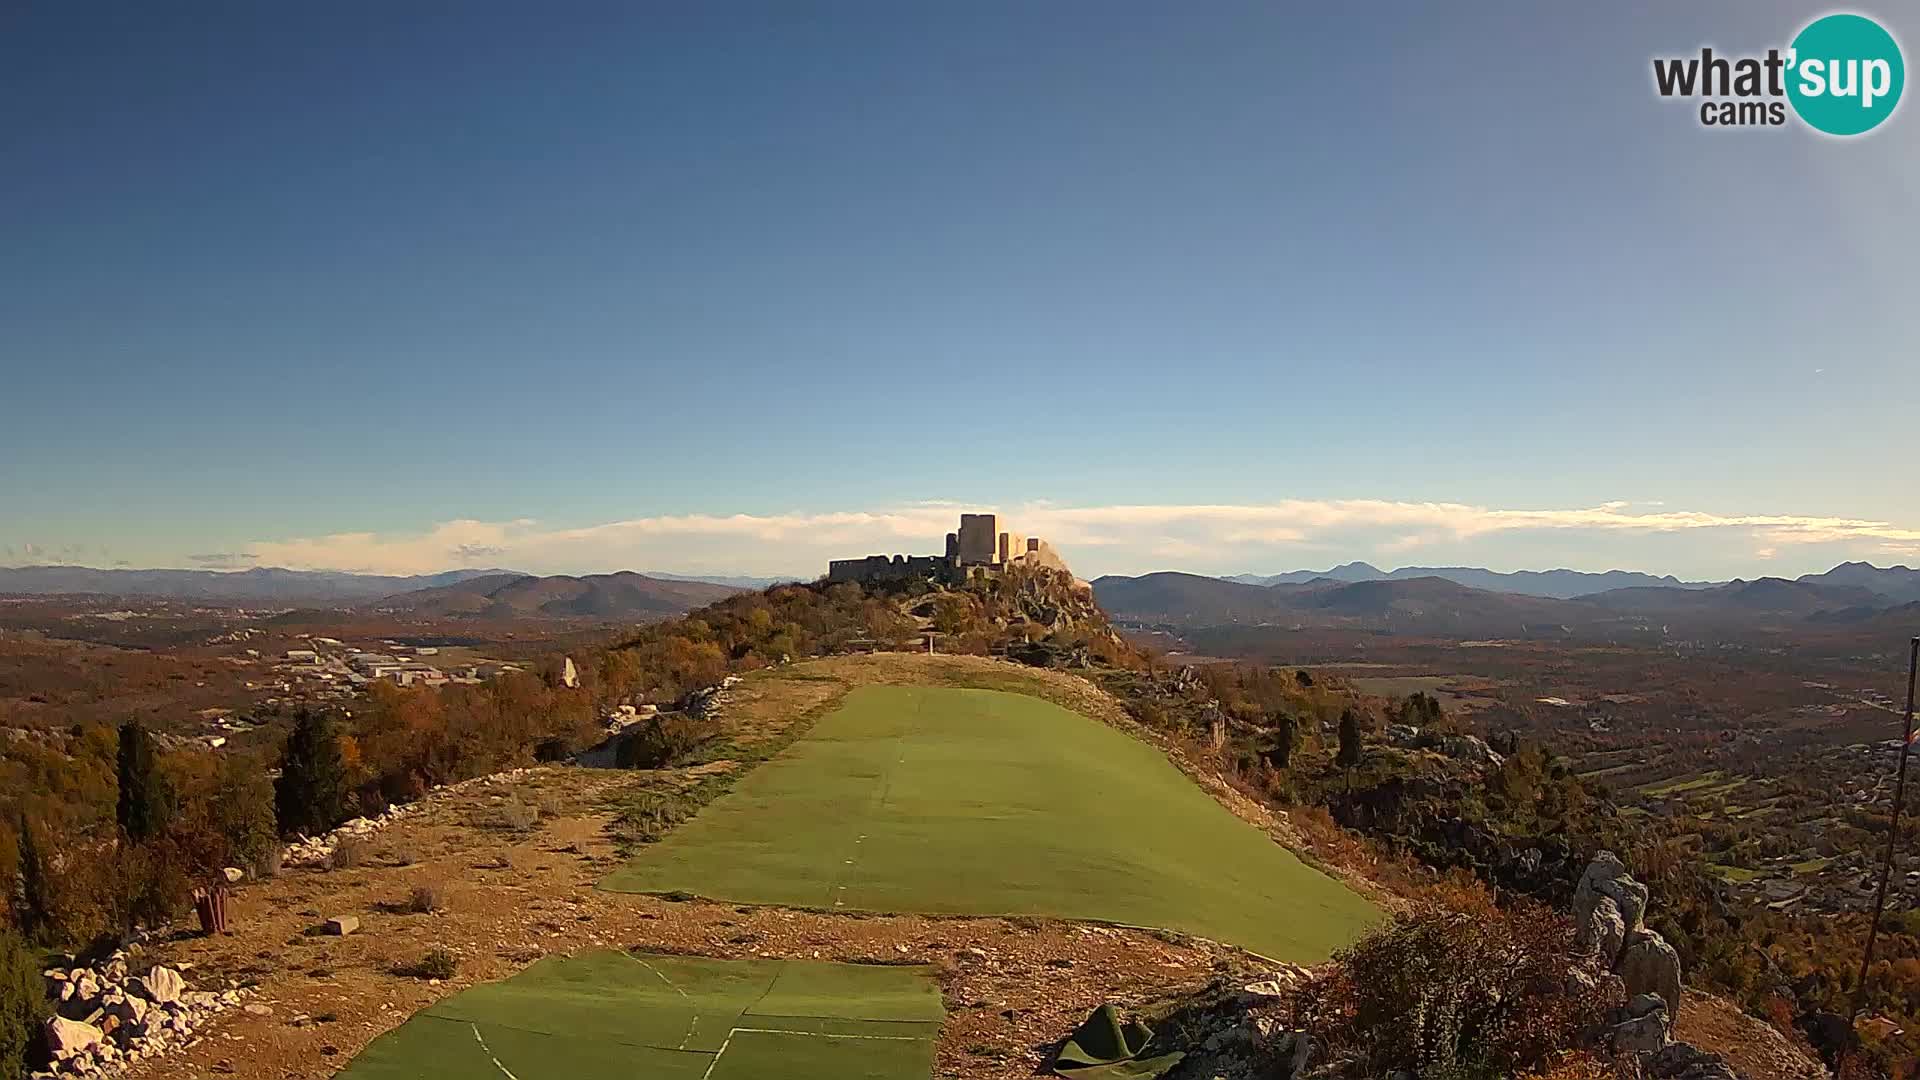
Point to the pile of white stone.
(318, 850)
(105, 1020)
(708, 702)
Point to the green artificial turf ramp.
(980, 802)
(607, 1015)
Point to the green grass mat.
(979, 802)
(604, 1015)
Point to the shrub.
(438, 963)
(516, 816)
(348, 852)
(311, 795)
(425, 900)
(648, 816)
(23, 1003)
(1455, 994)
(665, 739)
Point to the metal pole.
(1893, 835)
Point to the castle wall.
(978, 547)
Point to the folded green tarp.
(1108, 1048)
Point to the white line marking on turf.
(728, 1041)
(504, 1071)
(658, 974)
(822, 1034)
(692, 1023)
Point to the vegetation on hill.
(1517, 818)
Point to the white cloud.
(1095, 539)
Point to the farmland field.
(981, 802)
(616, 1014)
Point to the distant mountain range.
(1360, 596)
(625, 595)
(1560, 584)
(266, 585)
(276, 587)
(1894, 582)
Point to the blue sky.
(734, 287)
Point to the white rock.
(66, 1036)
(162, 985)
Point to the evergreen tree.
(311, 795)
(1282, 753)
(23, 1003)
(1349, 754)
(33, 910)
(146, 805)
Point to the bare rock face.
(1648, 965)
(66, 1036)
(1607, 876)
(1603, 930)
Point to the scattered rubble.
(105, 1019)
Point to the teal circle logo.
(1845, 74)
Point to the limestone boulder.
(161, 985)
(66, 1036)
(1603, 930)
(1607, 876)
(1642, 1035)
(1648, 965)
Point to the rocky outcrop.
(1609, 913)
(1648, 965)
(1471, 749)
(1606, 876)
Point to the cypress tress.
(310, 796)
(146, 805)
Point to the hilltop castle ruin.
(978, 547)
